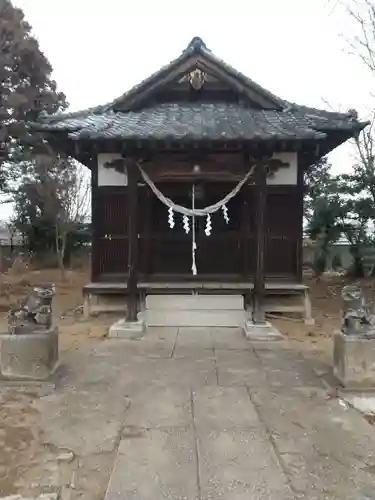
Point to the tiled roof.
(213, 121)
(281, 120)
(197, 48)
(189, 121)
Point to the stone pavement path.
(205, 414)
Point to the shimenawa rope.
(191, 212)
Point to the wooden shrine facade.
(197, 124)
(164, 253)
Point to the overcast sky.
(294, 48)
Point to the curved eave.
(83, 133)
(70, 132)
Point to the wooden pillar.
(146, 232)
(260, 193)
(132, 284)
(245, 233)
(245, 240)
(92, 163)
(301, 165)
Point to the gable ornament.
(196, 78)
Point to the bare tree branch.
(362, 12)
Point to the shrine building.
(197, 185)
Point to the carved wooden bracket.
(118, 164)
(274, 164)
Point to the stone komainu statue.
(35, 311)
(358, 316)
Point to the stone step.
(194, 318)
(195, 302)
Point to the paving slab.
(270, 345)
(239, 368)
(327, 448)
(64, 419)
(229, 338)
(198, 337)
(293, 377)
(156, 342)
(280, 357)
(156, 406)
(92, 477)
(319, 477)
(159, 463)
(170, 372)
(224, 408)
(192, 352)
(240, 464)
(193, 372)
(287, 368)
(184, 372)
(157, 335)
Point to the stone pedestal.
(266, 331)
(123, 329)
(354, 361)
(31, 356)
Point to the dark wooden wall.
(228, 252)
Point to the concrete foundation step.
(196, 302)
(194, 310)
(194, 318)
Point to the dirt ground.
(327, 303)
(21, 451)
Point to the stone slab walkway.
(205, 414)
(212, 416)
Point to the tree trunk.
(320, 261)
(357, 268)
(60, 250)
